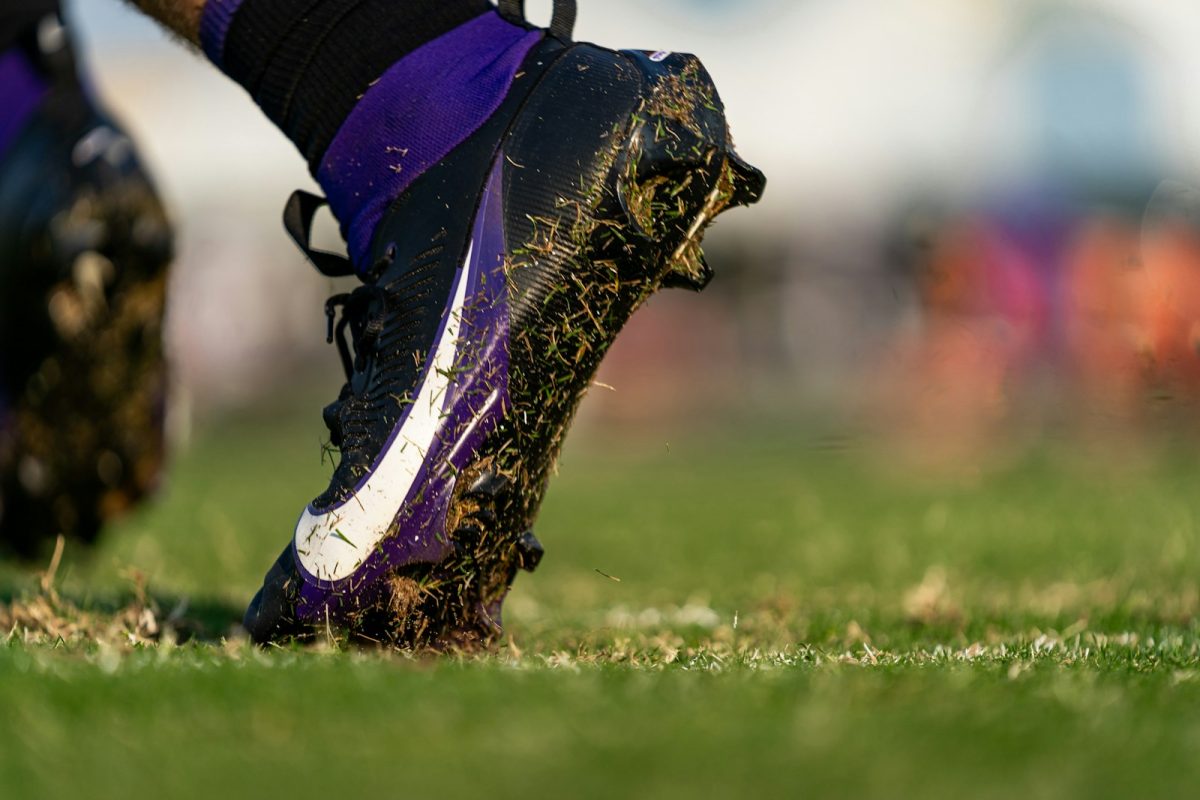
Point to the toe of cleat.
(271, 615)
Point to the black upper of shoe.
(560, 131)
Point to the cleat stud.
(489, 485)
(529, 552)
(749, 183)
(691, 272)
(467, 534)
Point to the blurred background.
(980, 234)
(883, 464)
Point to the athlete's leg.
(440, 70)
(83, 252)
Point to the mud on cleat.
(84, 251)
(499, 281)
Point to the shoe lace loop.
(562, 25)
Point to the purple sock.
(22, 89)
(422, 108)
(404, 120)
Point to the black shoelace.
(364, 313)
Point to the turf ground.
(787, 621)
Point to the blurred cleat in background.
(84, 251)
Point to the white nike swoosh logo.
(332, 545)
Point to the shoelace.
(364, 312)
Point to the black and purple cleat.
(500, 279)
(85, 248)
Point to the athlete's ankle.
(372, 93)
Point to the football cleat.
(84, 249)
(499, 281)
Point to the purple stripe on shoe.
(21, 91)
(214, 27)
(474, 408)
(422, 108)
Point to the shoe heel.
(690, 270)
(748, 183)
(673, 155)
(740, 185)
(679, 171)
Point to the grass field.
(787, 621)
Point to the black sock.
(307, 62)
(372, 92)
